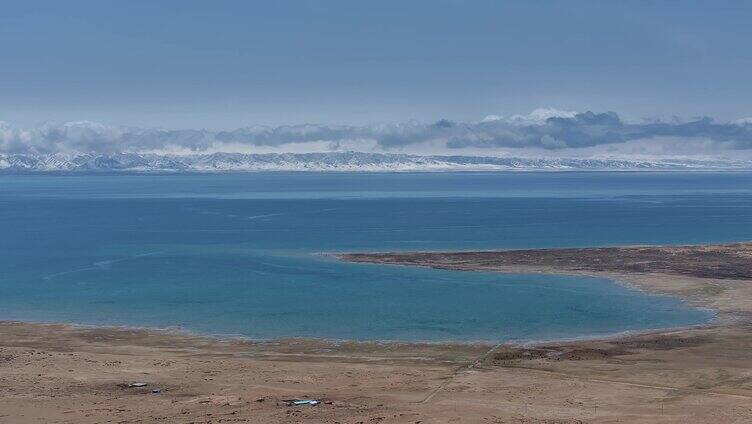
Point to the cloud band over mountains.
(543, 130)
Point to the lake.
(241, 254)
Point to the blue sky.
(229, 64)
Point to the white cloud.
(539, 116)
(553, 131)
(536, 117)
(491, 118)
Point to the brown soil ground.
(727, 261)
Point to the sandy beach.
(66, 374)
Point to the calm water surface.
(238, 253)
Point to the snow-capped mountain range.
(331, 161)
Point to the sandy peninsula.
(51, 373)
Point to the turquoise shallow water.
(237, 253)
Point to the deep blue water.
(237, 253)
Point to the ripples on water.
(236, 253)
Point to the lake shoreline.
(698, 274)
(56, 372)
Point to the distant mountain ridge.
(331, 161)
